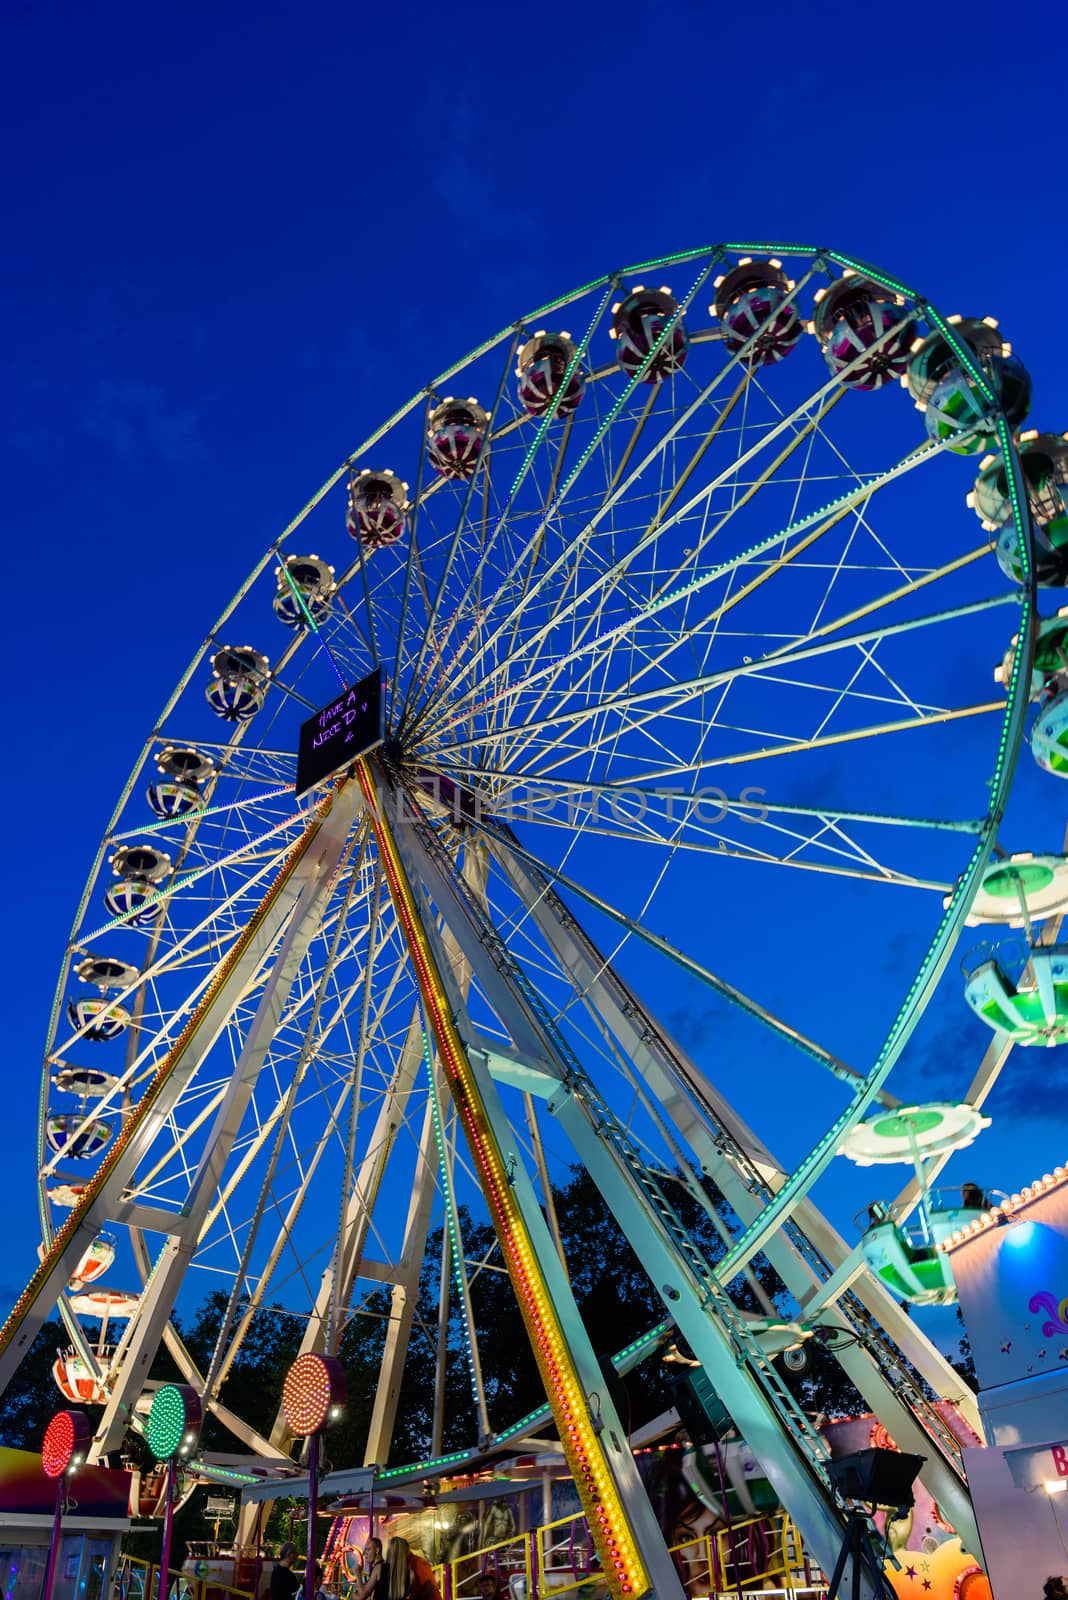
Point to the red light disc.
(66, 1436)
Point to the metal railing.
(565, 1557)
(757, 1555)
(511, 1558)
(136, 1579)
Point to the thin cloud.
(132, 418)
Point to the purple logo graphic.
(1056, 1309)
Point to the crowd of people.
(399, 1573)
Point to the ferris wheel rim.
(1015, 698)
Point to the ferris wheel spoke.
(549, 498)
(605, 583)
(284, 1114)
(588, 455)
(617, 490)
(732, 599)
(359, 1209)
(680, 695)
(810, 412)
(166, 964)
(544, 793)
(630, 925)
(798, 746)
(360, 1059)
(241, 855)
(470, 598)
(430, 634)
(824, 520)
(222, 808)
(790, 648)
(413, 565)
(345, 627)
(632, 818)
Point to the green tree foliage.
(253, 1385)
(32, 1398)
(615, 1296)
(964, 1361)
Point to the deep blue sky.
(237, 238)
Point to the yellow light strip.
(50, 1262)
(613, 1538)
(1017, 1202)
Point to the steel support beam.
(300, 872)
(403, 1301)
(606, 1476)
(143, 1334)
(684, 1093)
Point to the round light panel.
(173, 1425)
(65, 1442)
(314, 1386)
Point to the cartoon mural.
(933, 1563)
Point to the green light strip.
(1017, 701)
(856, 495)
(210, 1471)
(452, 1221)
(779, 249)
(535, 1418)
(550, 416)
(198, 812)
(714, 252)
(191, 877)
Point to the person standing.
(285, 1585)
(424, 1584)
(372, 1569)
(396, 1580)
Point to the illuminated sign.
(341, 732)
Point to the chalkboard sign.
(348, 727)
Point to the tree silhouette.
(32, 1398)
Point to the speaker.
(877, 1477)
(700, 1408)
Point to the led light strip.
(613, 1538)
(452, 1222)
(1007, 1209)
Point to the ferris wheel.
(673, 632)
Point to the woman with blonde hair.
(396, 1580)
